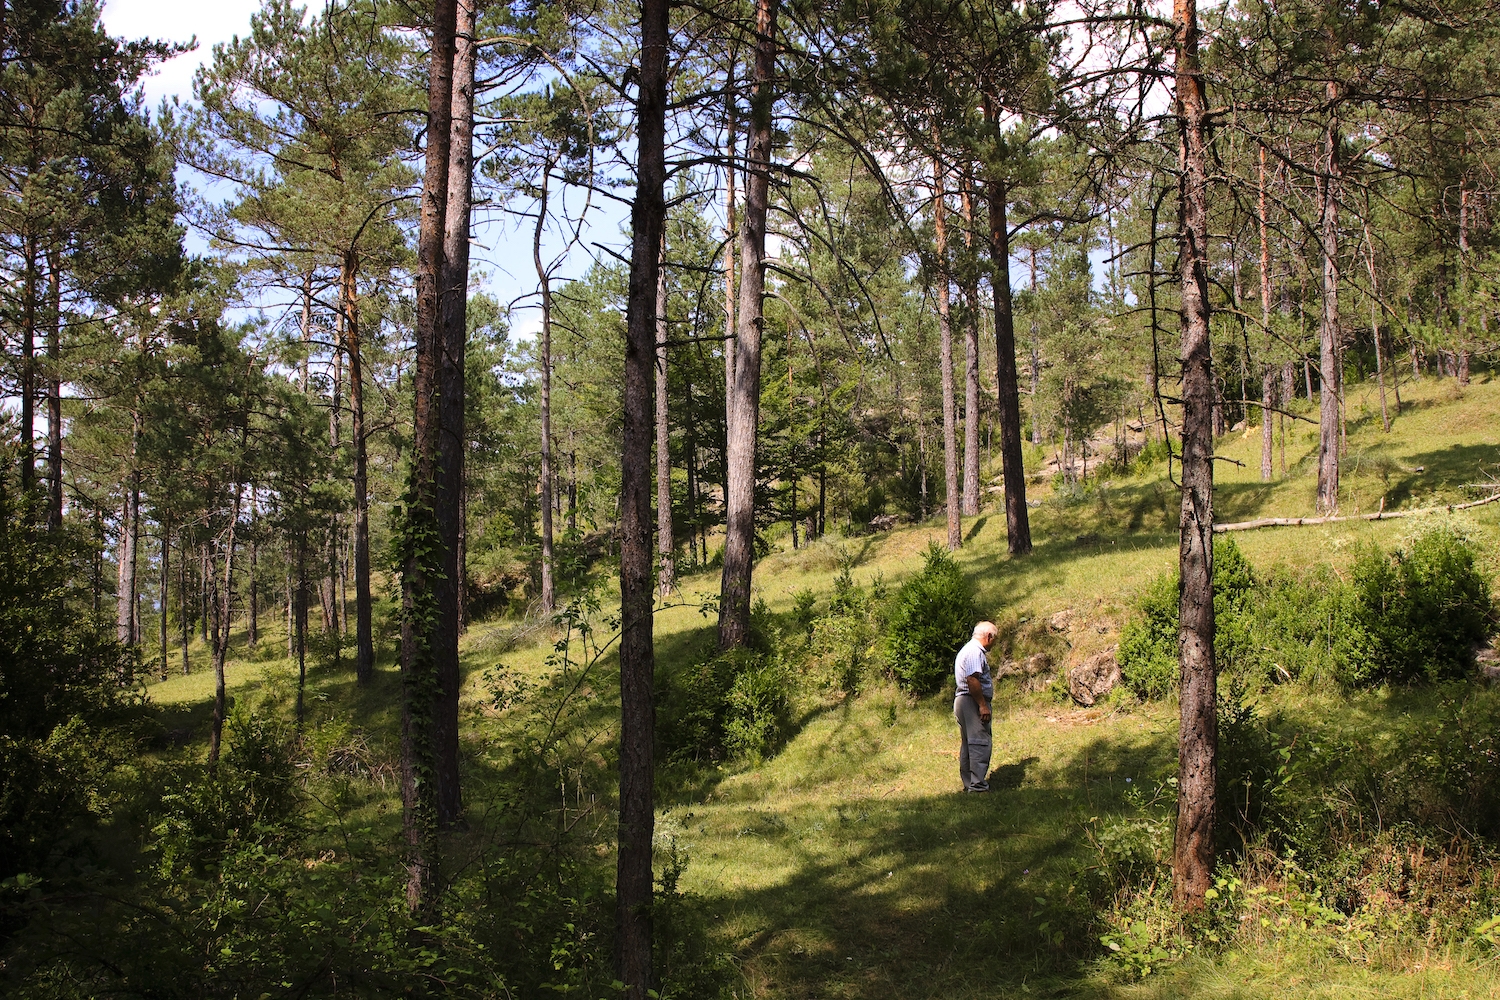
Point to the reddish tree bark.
(1197, 747)
(424, 560)
(743, 399)
(633, 876)
(954, 499)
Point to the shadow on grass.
(941, 895)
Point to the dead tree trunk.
(1197, 750)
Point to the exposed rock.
(1061, 621)
(1033, 666)
(1035, 672)
(1488, 659)
(1094, 678)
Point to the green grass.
(847, 865)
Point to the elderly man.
(971, 707)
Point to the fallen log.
(1382, 515)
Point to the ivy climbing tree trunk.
(422, 556)
(637, 825)
(742, 409)
(1197, 747)
(452, 340)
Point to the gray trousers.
(975, 744)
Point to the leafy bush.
(249, 799)
(931, 616)
(839, 642)
(758, 707)
(1148, 644)
(1418, 613)
(735, 703)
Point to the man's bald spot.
(985, 628)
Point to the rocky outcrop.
(1035, 671)
(1094, 678)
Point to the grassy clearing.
(847, 865)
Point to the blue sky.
(501, 257)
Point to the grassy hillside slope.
(846, 865)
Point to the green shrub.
(735, 703)
(931, 616)
(758, 708)
(251, 798)
(1148, 642)
(1417, 614)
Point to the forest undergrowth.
(811, 841)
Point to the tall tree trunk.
(731, 230)
(127, 615)
(453, 338)
(1036, 364)
(665, 544)
(424, 561)
(1331, 391)
(223, 600)
(743, 402)
(633, 873)
(30, 280)
(306, 326)
(1197, 748)
(299, 621)
(54, 395)
(327, 598)
(1385, 417)
(1007, 382)
(954, 498)
(182, 601)
(166, 590)
(971, 359)
(364, 641)
(252, 636)
(1267, 373)
(544, 284)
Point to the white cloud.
(211, 21)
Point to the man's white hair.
(985, 628)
